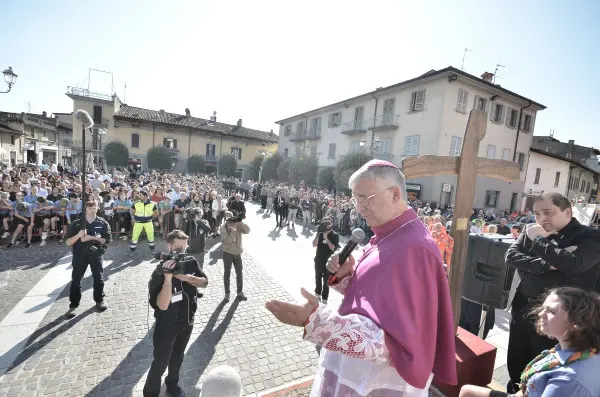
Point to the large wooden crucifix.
(468, 167)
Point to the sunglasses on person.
(90, 205)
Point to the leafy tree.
(304, 169)
(196, 163)
(270, 165)
(284, 171)
(347, 166)
(326, 178)
(116, 154)
(227, 165)
(255, 166)
(160, 158)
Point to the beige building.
(141, 129)
(426, 115)
(32, 138)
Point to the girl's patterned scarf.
(554, 363)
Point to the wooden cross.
(468, 167)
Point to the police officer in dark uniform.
(173, 296)
(88, 245)
(556, 251)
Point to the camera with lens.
(193, 213)
(323, 227)
(166, 256)
(238, 216)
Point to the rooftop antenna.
(125, 93)
(28, 103)
(467, 49)
(496, 71)
(551, 133)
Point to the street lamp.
(10, 77)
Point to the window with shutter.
(491, 152)
(210, 150)
(480, 103)
(285, 152)
(417, 101)
(587, 190)
(455, 146)
(506, 154)
(288, 130)
(335, 120)
(331, 152)
(461, 102)
(384, 146)
(512, 117)
(521, 160)
(411, 145)
(135, 140)
(538, 173)
(388, 111)
(527, 122)
(557, 179)
(491, 198)
(355, 146)
(498, 113)
(97, 114)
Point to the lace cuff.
(341, 285)
(353, 335)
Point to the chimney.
(187, 112)
(161, 111)
(239, 123)
(44, 114)
(570, 147)
(487, 76)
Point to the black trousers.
(321, 278)
(236, 261)
(80, 264)
(524, 343)
(169, 348)
(263, 202)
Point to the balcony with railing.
(313, 133)
(211, 158)
(298, 136)
(354, 127)
(385, 122)
(83, 92)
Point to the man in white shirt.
(175, 194)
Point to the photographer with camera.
(231, 237)
(88, 245)
(173, 294)
(326, 242)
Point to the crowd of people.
(46, 203)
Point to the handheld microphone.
(358, 235)
(85, 118)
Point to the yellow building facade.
(141, 129)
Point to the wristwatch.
(538, 238)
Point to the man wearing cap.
(143, 211)
(394, 330)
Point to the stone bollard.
(223, 381)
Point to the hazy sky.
(266, 60)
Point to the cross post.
(468, 167)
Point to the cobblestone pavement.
(108, 354)
(27, 266)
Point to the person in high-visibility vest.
(143, 212)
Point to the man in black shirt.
(326, 241)
(237, 206)
(174, 299)
(96, 232)
(557, 251)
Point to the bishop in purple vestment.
(393, 331)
